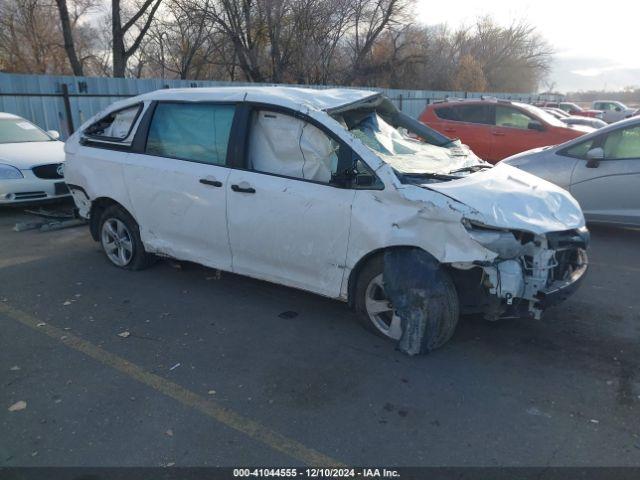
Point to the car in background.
(556, 112)
(497, 129)
(601, 170)
(614, 111)
(31, 162)
(571, 108)
(584, 121)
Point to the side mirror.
(618, 109)
(594, 156)
(536, 126)
(53, 134)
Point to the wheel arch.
(355, 271)
(98, 206)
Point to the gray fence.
(64, 102)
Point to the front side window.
(473, 114)
(18, 130)
(512, 118)
(117, 125)
(622, 144)
(191, 131)
(284, 145)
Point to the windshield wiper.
(435, 176)
(473, 168)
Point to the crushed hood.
(506, 197)
(26, 155)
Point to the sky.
(596, 43)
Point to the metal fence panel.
(39, 98)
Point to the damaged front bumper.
(543, 271)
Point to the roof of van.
(321, 99)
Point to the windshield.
(18, 130)
(407, 153)
(542, 115)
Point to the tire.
(119, 236)
(447, 307)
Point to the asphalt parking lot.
(232, 371)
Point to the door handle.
(449, 129)
(243, 189)
(498, 134)
(213, 183)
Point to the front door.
(178, 185)
(512, 133)
(287, 222)
(608, 190)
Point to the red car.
(573, 109)
(497, 129)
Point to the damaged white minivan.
(331, 191)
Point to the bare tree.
(67, 33)
(144, 13)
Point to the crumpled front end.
(530, 273)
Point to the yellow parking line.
(228, 417)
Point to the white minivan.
(332, 191)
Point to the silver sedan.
(600, 169)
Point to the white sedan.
(31, 162)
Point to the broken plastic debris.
(211, 392)
(175, 366)
(124, 334)
(169, 433)
(15, 368)
(593, 420)
(41, 324)
(67, 303)
(19, 405)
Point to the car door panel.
(607, 190)
(179, 214)
(511, 138)
(176, 182)
(289, 231)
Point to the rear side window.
(191, 131)
(115, 126)
(467, 113)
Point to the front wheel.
(120, 240)
(376, 312)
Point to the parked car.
(601, 170)
(332, 191)
(556, 112)
(584, 121)
(614, 111)
(496, 129)
(31, 162)
(576, 110)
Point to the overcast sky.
(596, 43)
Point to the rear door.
(470, 123)
(177, 184)
(512, 133)
(608, 190)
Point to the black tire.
(447, 307)
(139, 258)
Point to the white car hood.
(507, 197)
(26, 155)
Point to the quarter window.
(191, 131)
(115, 126)
(580, 150)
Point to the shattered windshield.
(409, 155)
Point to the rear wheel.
(120, 240)
(376, 312)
